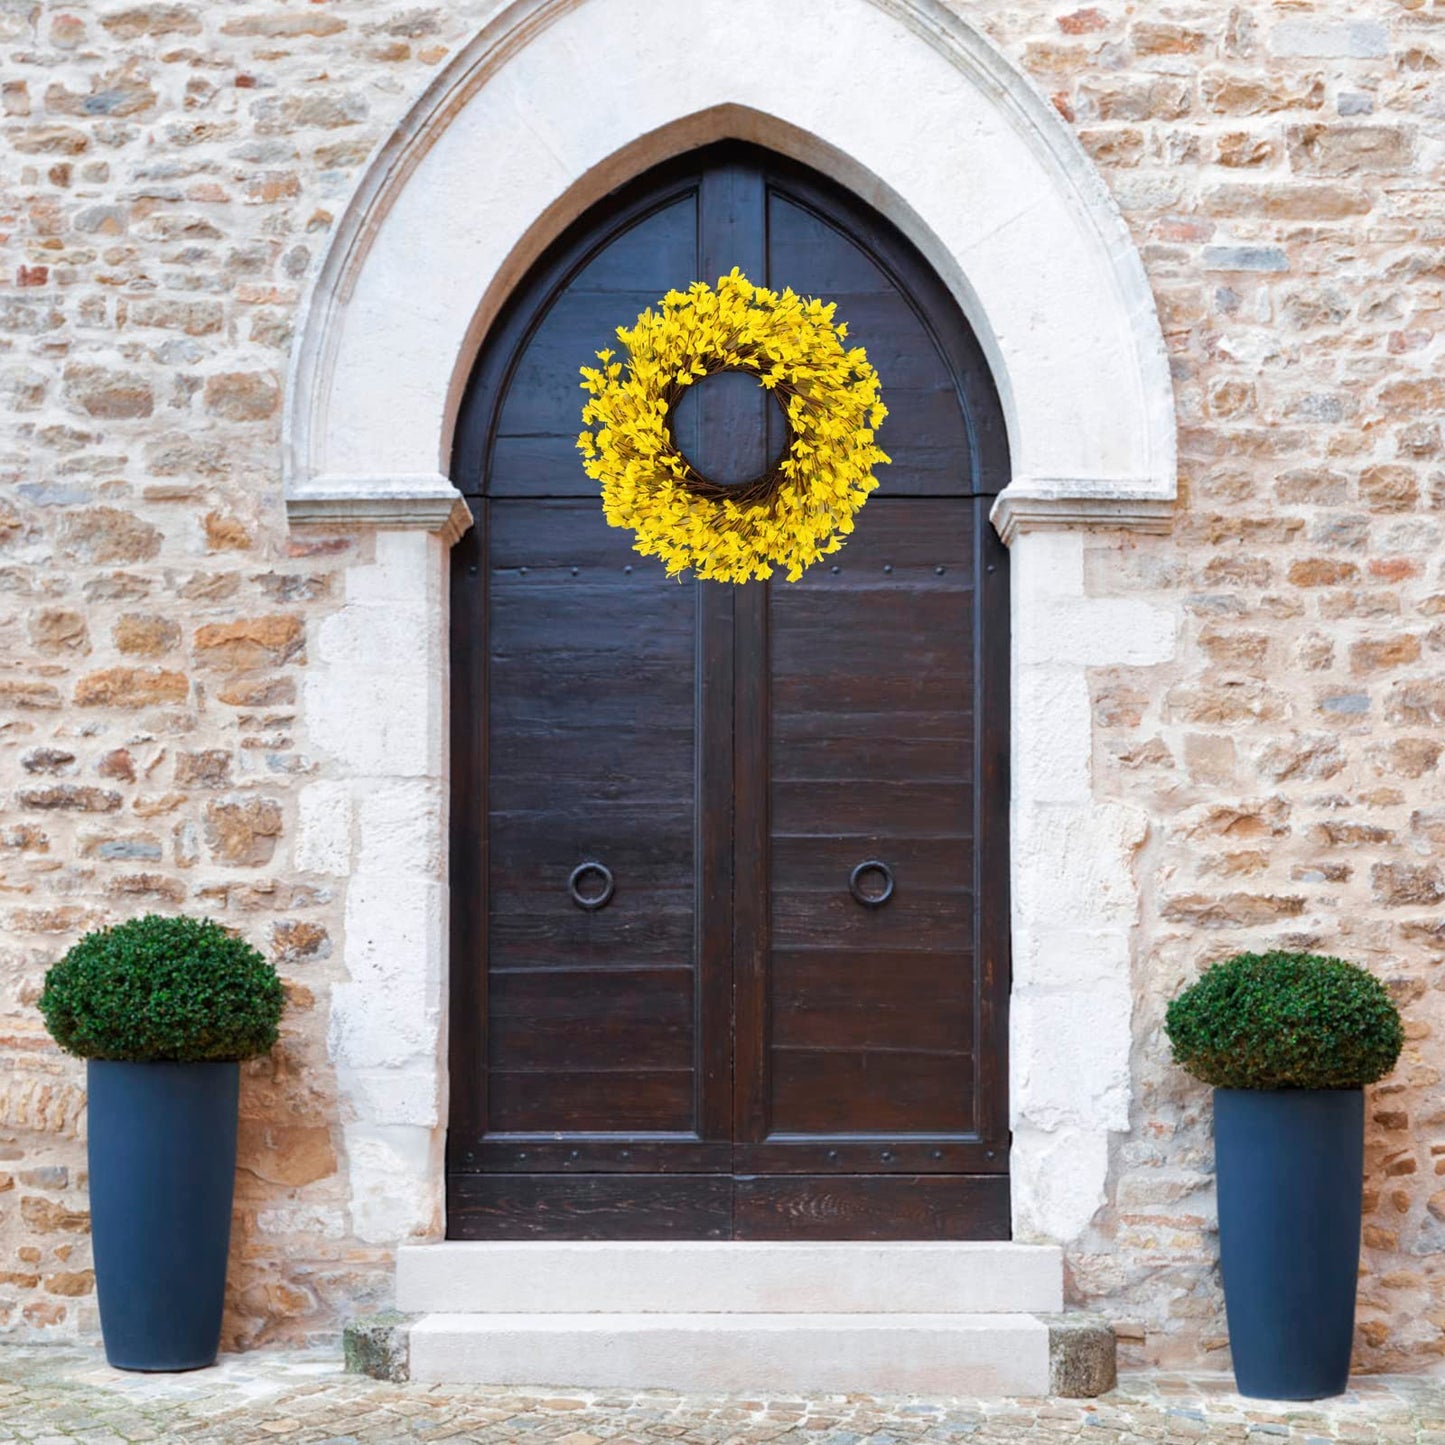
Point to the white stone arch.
(555, 101)
(551, 105)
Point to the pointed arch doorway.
(680, 1008)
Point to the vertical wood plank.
(752, 1032)
(732, 223)
(733, 232)
(992, 944)
(467, 830)
(714, 859)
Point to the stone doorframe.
(553, 104)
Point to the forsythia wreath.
(804, 506)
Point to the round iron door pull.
(591, 901)
(855, 883)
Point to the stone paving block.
(63, 1396)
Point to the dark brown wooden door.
(726, 1033)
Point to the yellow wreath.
(804, 507)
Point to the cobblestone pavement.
(54, 1396)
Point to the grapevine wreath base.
(800, 510)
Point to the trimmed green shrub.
(159, 989)
(1285, 1021)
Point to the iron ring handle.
(591, 902)
(855, 880)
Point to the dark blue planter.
(1291, 1165)
(162, 1171)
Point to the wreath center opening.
(731, 429)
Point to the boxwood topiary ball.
(1285, 1021)
(153, 990)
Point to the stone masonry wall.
(169, 176)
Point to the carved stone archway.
(553, 104)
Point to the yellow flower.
(787, 520)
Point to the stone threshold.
(1082, 1350)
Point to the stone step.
(927, 1354)
(728, 1277)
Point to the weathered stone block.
(153, 21)
(1308, 201)
(1083, 22)
(1245, 258)
(322, 109)
(1417, 704)
(143, 849)
(1322, 572)
(120, 92)
(47, 760)
(146, 634)
(243, 833)
(1350, 835)
(1389, 488)
(1083, 1356)
(226, 534)
(69, 797)
(117, 763)
(106, 535)
(1158, 38)
(45, 1216)
(242, 395)
(285, 27)
(293, 1155)
(259, 692)
(1240, 150)
(1233, 94)
(51, 140)
(1239, 649)
(1315, 757)
(378, 1346)
(28, 696)
(1312, 486)
(210, 768)
(71, 1283)
(109, 393)
(29, 316)
(1411, 399)
(131, 687)
(251, 642)
(1230, 910)
(1346, 40)
(1406, 885)
(59, 630)
(298, 941)
(1381, 654)
(1346, 150)
(170, 313)
(1410, 757)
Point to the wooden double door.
(729, 864)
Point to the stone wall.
(1281, 168)
(172, 172)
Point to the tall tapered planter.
(162, 1142)
(1291, 1166)
(1288, 1040)
(164, 1011)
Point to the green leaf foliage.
(156, 989)
(1285, 1021)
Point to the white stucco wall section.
(1075, 899)
(376, 708)
(553, 104)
